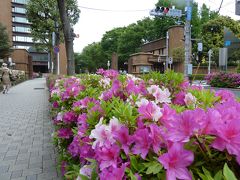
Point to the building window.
(22, 47)
(20, 1)
(19, 19)
(21, 29)
(22, 39)
(19, 10)
(145, 69)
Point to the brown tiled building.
(13, 17)
(154, 54)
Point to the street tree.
(45, 19)
(92, 58)
(5, 48)
(65, 17)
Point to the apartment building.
(25, 56)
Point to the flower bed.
(114, 127)
(225, 80)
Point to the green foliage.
(228, 174)
(92, 58)
(170, 79)
(197, 76)
(43, 14)
(224, 80)
(238, 68)
(205, 97)
(4, 43)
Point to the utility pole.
(167, 37)
(187, 32)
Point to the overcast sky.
(100, 16)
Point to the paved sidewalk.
(26, 149)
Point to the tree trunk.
(68, 37)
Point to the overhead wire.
(111, 10)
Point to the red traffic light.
(166, 9)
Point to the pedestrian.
(6, 78)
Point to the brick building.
(153, 54)
(13, 17)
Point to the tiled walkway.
(26, 149)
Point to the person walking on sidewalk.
(6, 78)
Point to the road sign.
(210, 52)
(200, 46)
(189, 13)
(170, 12)
(170, 60)
(227, 43)
(174, 13)
(56, 49)
(189, 69)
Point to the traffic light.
(162, 10)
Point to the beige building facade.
(153, 55)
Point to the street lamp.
(108, 64)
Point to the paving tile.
(26, 149)
(16, 174)
(3, 169)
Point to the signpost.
(209, 60)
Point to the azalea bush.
(228, 80)
(112, 127)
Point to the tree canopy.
(207, 26)
(5, 48)
(44, 16)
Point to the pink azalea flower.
(101, 134)
(190, 99)
(63, 167)
(162, 96)
(113, 173)
(186, 126)
(142, 142)
(105, 82)
(122, 135)
(228, 137)
(65, 133)
(107, 155)
(114, 124)
(150, 111)
(132, 88)
(175, 161)
(169, 116)
(69, 117)
(225, 95)
(156, 134)
(179, 98)
(55, 104)
(185, 84)
(86, 170)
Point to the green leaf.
(153, 167)
(228, 174)
(207, 174)
(83, 177)
(134, 162)
(130, 174)
(218, 175)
